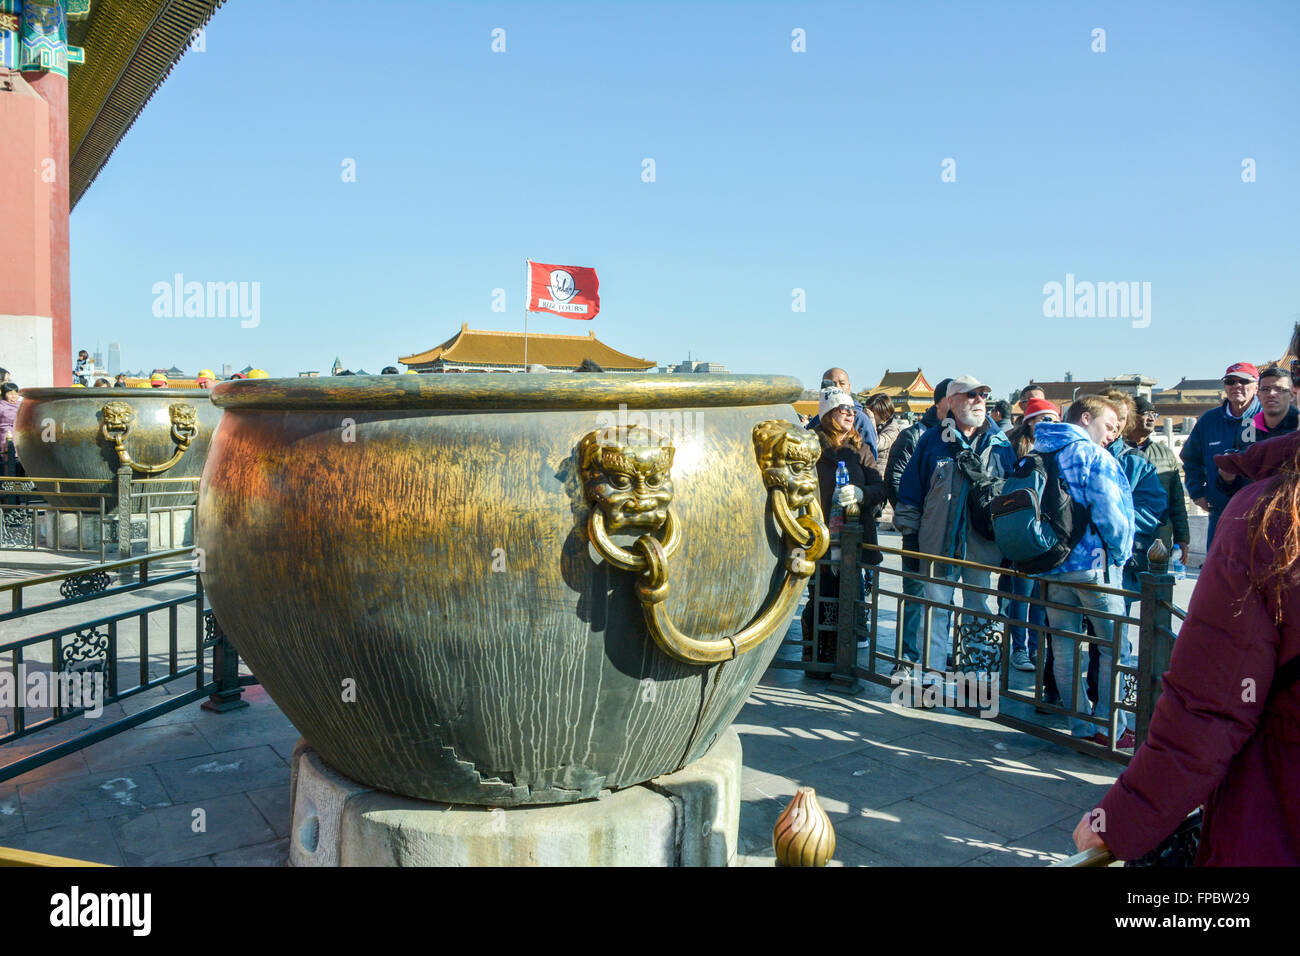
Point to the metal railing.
(85, 515)
(80, 669)
(897, 603)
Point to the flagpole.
(527, 273)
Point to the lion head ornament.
(626, 473)
(787, 455)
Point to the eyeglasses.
(1274, 390)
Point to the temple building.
(480, 350)
(74, 75)
(910, 391)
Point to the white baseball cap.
(964, 384)
(831, 399)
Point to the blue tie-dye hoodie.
(1097, 481)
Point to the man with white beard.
(934, 504)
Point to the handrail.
(87, 569)
(962, 562)
(1118, 618)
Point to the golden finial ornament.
(803, 835)
(1158, 556)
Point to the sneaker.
(901, 672)
(1127, 741)
(1020, 660)
(1100, 739)
(863, 645)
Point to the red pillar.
(35, 278)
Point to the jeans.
(1032, 614)
(1071, 686)
(1209, 529)
(910, 626)
(941, 618)
(1128, 656)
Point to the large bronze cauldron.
(509, 589)
(90, 432)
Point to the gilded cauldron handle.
(116, 419)
(626, 476)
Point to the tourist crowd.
(945, 474)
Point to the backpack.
(1036, 524)
(984, 489)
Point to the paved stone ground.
(904, 787)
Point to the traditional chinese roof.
(909, 390)
(1062, 393)
(483, 348)
(130, 48)
(1199, 385)
(895, 383)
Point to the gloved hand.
(847, 495)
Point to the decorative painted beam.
(11, 20)
(43, 36)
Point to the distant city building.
(114, 359)
(692, 367)
(309, 374)
(480, 350)
(227, 370)
(1063, 393)
(336, 367)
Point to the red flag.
(570, 291)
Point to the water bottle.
(835, 521)
(1178, 570)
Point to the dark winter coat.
(1216, 432)
(900, 453)
(1213, 739)
(859, 461)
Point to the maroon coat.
(1206, 744)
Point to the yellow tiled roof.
(484, 347)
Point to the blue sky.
(774, 171)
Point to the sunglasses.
(974, 395)
(1235, 383)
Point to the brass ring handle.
(614, 472)
(116, 421)
(621, 558)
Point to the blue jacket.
(1217, 432)
(933, 492)
(1097, 481)
(864, 423)
(1150, 500)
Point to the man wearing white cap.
(933, 503)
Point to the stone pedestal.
(688, 818)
